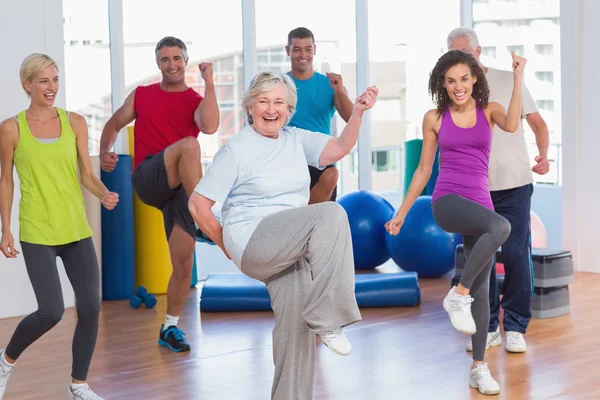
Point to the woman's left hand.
(366, 100)
(110, 200)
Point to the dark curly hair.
(481, 91)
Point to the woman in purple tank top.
(462, 126)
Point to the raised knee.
(502, 231)
(334, 213)
(329, 177)
(190, 147)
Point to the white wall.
(581, 137)
(27, 26)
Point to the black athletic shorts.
(151, 184)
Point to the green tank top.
(51, 211)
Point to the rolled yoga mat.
(153, 265)
(238, 292)
(93, 211)
(412, 150)
(117, 234)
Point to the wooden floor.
(398, 353)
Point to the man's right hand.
(108, 161)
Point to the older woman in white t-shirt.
(302, 252)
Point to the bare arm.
(89, 180)
(207, 114)
(200, 208)
(339, 147)
(540, 129)
(341, 101)
(423, 172)
(9, 137)
(509, 122)
(343, 104)
(123, 116)
(542, 139)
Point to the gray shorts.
(151, 184)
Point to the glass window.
(488, 51)
(333, 25)
(87, 65)
(216, 40)
(518, 49)
(532, 29)
(400, 62)
(545, 76)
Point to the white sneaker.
(481, 379)
(83, 393)
(515, 342)
(5, 371)
(336, 341)
(459, 309)
(493, 339)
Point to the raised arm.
(341, 101)
(207, 114)
(509, 122)
(124, 115)
(201, 210)
(421, 175)
(89, 180)
(337, 148)
(9, 137)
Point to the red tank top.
(162, 118)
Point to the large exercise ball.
(539, 237)
(367, 214)
(422, 246)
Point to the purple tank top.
(464, 159)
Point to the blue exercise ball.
(422, 246)
(367, 215)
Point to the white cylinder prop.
(93, 209)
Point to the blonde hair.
(32, 65)
(267, 82)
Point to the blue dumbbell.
(142, 296)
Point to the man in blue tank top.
(319, 96)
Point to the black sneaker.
(173, 338)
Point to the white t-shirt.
(510, 165)
(254, 176)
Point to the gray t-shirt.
(254, 176)
(510, 164)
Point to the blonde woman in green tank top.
(49, 149)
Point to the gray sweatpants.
(304, 255)
(483, 232)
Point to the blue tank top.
(464, 159)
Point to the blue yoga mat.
(238, 292)
(117, 234)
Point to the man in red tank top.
(168, 118)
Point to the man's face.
(172, 64)
(301, 52)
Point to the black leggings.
(483, 232)
(81, 266)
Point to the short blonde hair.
(267, 82)
(32, 65)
